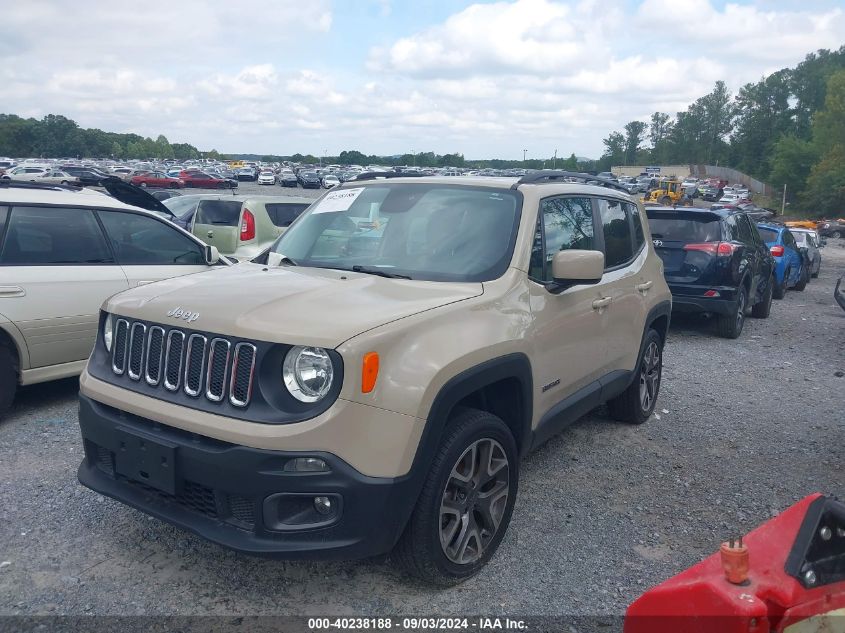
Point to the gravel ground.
(745, 429)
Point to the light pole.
(554, 161)
(414, 158)
(524, 152)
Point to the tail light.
(719, 249)
(247, 226)
(777, 251)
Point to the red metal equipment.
(786, 576)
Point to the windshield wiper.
(378, 271)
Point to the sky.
(385, 77)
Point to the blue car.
(791, 269)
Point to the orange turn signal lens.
(369, 374)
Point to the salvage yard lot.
(744, 429)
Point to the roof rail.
(545, 175)
(8, 183)
(375, 175)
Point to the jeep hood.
(304, 306)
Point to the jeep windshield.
(423, 231)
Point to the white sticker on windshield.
(338, 200)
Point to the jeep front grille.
(185, 361)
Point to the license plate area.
(148, 461)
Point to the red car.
(157, 179)
(205, 181)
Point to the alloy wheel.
(649, 376)
(474, 501)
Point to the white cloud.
(489, 80)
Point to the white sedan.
(266, 178)
(330, 181)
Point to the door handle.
(12, 291)
(601, 304)
(144, 282)
(645, 287)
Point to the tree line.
(786, 129)
(56, 136)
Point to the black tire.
(631, 405)
(666, 201)
(763, 309)
(803, 279)
(174, 185)
(780, 288)
(730, 325)
(836, 235)
(8, 378)
(144, 185)
(419, 551)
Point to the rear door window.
(639, 236)
(218, 212)
(616, 227)
(38, 236)
(282, 214)
(141, 240)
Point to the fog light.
(323, 505)
(306, 465)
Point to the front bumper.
(237, 496)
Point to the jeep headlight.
(307, 373)
(108, 332)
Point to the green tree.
(792, 159)
(763, 116)
(825, 191)
(614, 145)
(634, 135)
(659, 130)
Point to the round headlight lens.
(308, 373)
(108, 332)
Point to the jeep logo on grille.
(187, 315)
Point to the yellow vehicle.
(802, 224)
(668, 192)
(235, 164)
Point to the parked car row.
(721, 262)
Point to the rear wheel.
(780, 288)
(174, 185)
(666, 201)
(144, 185)
(836, 235)
(8, 378)
(761, 310)
(636, 404)
(466, 503)
(730, 325)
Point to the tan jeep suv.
(370, 384)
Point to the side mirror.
(575, 267)
(212, 255)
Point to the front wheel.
(636, 404)
(836, 235)
(144, 185)
(466, 503)
(730, 325)
(666, 201)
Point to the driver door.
(149, 249)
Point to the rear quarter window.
(218, 212)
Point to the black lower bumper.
(702, 304)
(240, 497)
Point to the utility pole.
(524, 152)
(554, 161)
(783, 201)
(414, 154)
